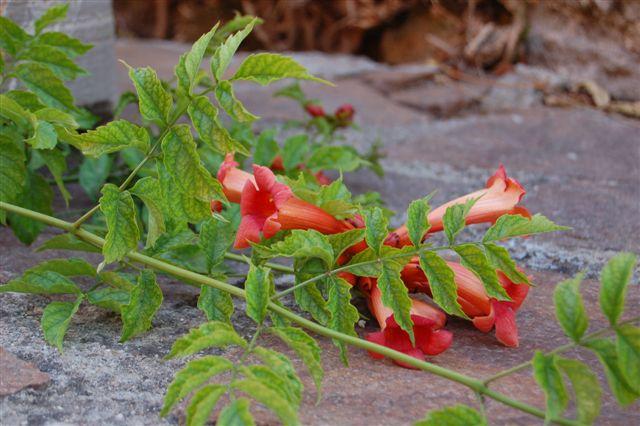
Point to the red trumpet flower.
(314, 110)
(268, 206)
(232, 178)
(485, 312)
(428, 321)
(500, 197)
(344, 114)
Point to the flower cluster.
(268, 206)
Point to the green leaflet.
(265, 68)
(72, 47)
(257, 287)
(193, 59)
(13, 173)
(122, 281)
(628, 348)
(202, 403)
(273, 381)
(55, 116)
(56, 162)
(376, 227)
(215, 239)
(342, 158)
(204, 117)
(52, 15)
(144, 301)
(309, 298)
(442, 283)
(12, 37)
(41, 282)
(302, 244)
(282, 366)
(615, 279)
(570, 308)
(122, 228)
(192, 376)
(236, 414)
(474, 259)
(344, 315)
(270, 399)
(394, 293)
(344, 240)
(509, 226)
(37, 196)
(154, 101)
(109, 298)
(68, 267)
(266, 148)
(56, 318)
(210, 334)
(44, 83)
(112, 137)
(13, 111)
(417, 220)
(586, 388)
(231, 105)
(370, 266)
(54, 59)
(44, 136)
(94, 173)
(224, 53)
(183, 164)
(610, 360)
(454, 219)
(216, 304)
(67, 242)
(306, 348)
(549, 378)
(148, 190)
(500, 259)
(293, 151)
(457, 415)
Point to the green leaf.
(308, 297)
(55, 320)
(344, 240)
(342, 158)
(154, 101)
(454, 219)
(112, 137)
(67, 242)
(203, 403)
(109, 298)
(615, 279)
(293, 151)
(257, 286)
(56, 162)
(417, 220)
(303, 244)
(376, 227)
(586, 388)
(211, 334)
(193, 59)
(122, 228)
(570, 308)
(44, 83)
(94, 173)
(306, 348)
(474, 259)
(52, 15)
(265, 68)
(70, 46)
(224, 53)
(270, 399)
(144, 302)
(457, 415)
(215, 239)
(183, 163)
(69, 267)
(216, 304)
(148, 190)
(442, 283)
(55, 116)
(266, 148)
(120, 280)
(178, 207)
(236, 414)
(509, 226)
(13, 111)
(231, 104)
(395, 295)
(365, 264)
(548, 376)
(273, 381)
(500, 259)
(192, 376)
(292, 91)
(12, 37)
(204, 117)
(628, 348)
(606, 352)
(41, 282)
(44, 136)
(37, 196)
(282, 366)
(344, 315)
(13, 173)
(54, 59)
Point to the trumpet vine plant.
(177, 199)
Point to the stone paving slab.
(581, 167)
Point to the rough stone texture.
(92, 22)
(16, 374)
(581, 167)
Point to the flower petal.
(506, 328)
(249, 230)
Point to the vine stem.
(195, 279)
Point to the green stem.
(559, 349)
(274, 266)
(192, 278)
